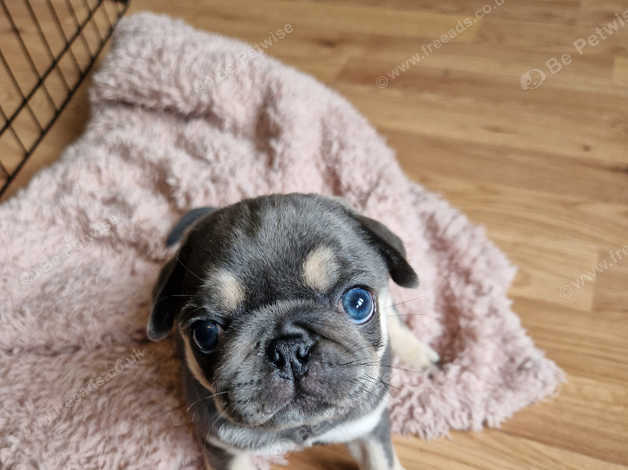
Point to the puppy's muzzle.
(290, 355)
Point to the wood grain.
(544, 170)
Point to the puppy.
(285, 326)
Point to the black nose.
(290, 355)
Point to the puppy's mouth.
(252, 412)
(264, 404)
(278, 403)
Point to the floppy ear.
(184, 222)
(391, 248)
(166, 299)
(166, 303)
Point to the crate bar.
(27, 55)
(53, 65)
(93, 56)
(31, 12)
(53, 11)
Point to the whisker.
(418, 371)
(380, 381)
(238, 387)
(188, 269)
(202, 399)
(388, 384)
(356, 364)
(401, 314)
(406, 301)
(395, 304)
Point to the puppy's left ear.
(188, 219)
(166, 294)
(391, 248)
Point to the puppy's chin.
(297, 410)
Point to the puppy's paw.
(409, 349)
(418, 355)
(432, 355)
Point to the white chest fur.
(351, 430)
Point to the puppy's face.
(280, 305)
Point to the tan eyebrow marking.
(320, 268)
(228, 288)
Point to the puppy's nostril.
(276, 354)
(303, 353)
(277, 358)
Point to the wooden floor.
(544, 169)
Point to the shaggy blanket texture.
(181, 119)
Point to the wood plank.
(488, 450)
(620, 71)
(582, 38)
(483, 120)
(492, 449)
(526, 169)
(601, 11)
(586, 72)
(588, 417)
(541, 11)
(611, 280)
(234, 15)
(583, 343)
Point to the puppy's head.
(280, 304)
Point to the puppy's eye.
(205, 334)
(358, 303)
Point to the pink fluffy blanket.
(181, 119)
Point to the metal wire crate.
(47, 47)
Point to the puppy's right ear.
(391, 248)
(166, 302)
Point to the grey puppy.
(285, 325)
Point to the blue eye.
(358, 304)
(205, 334)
